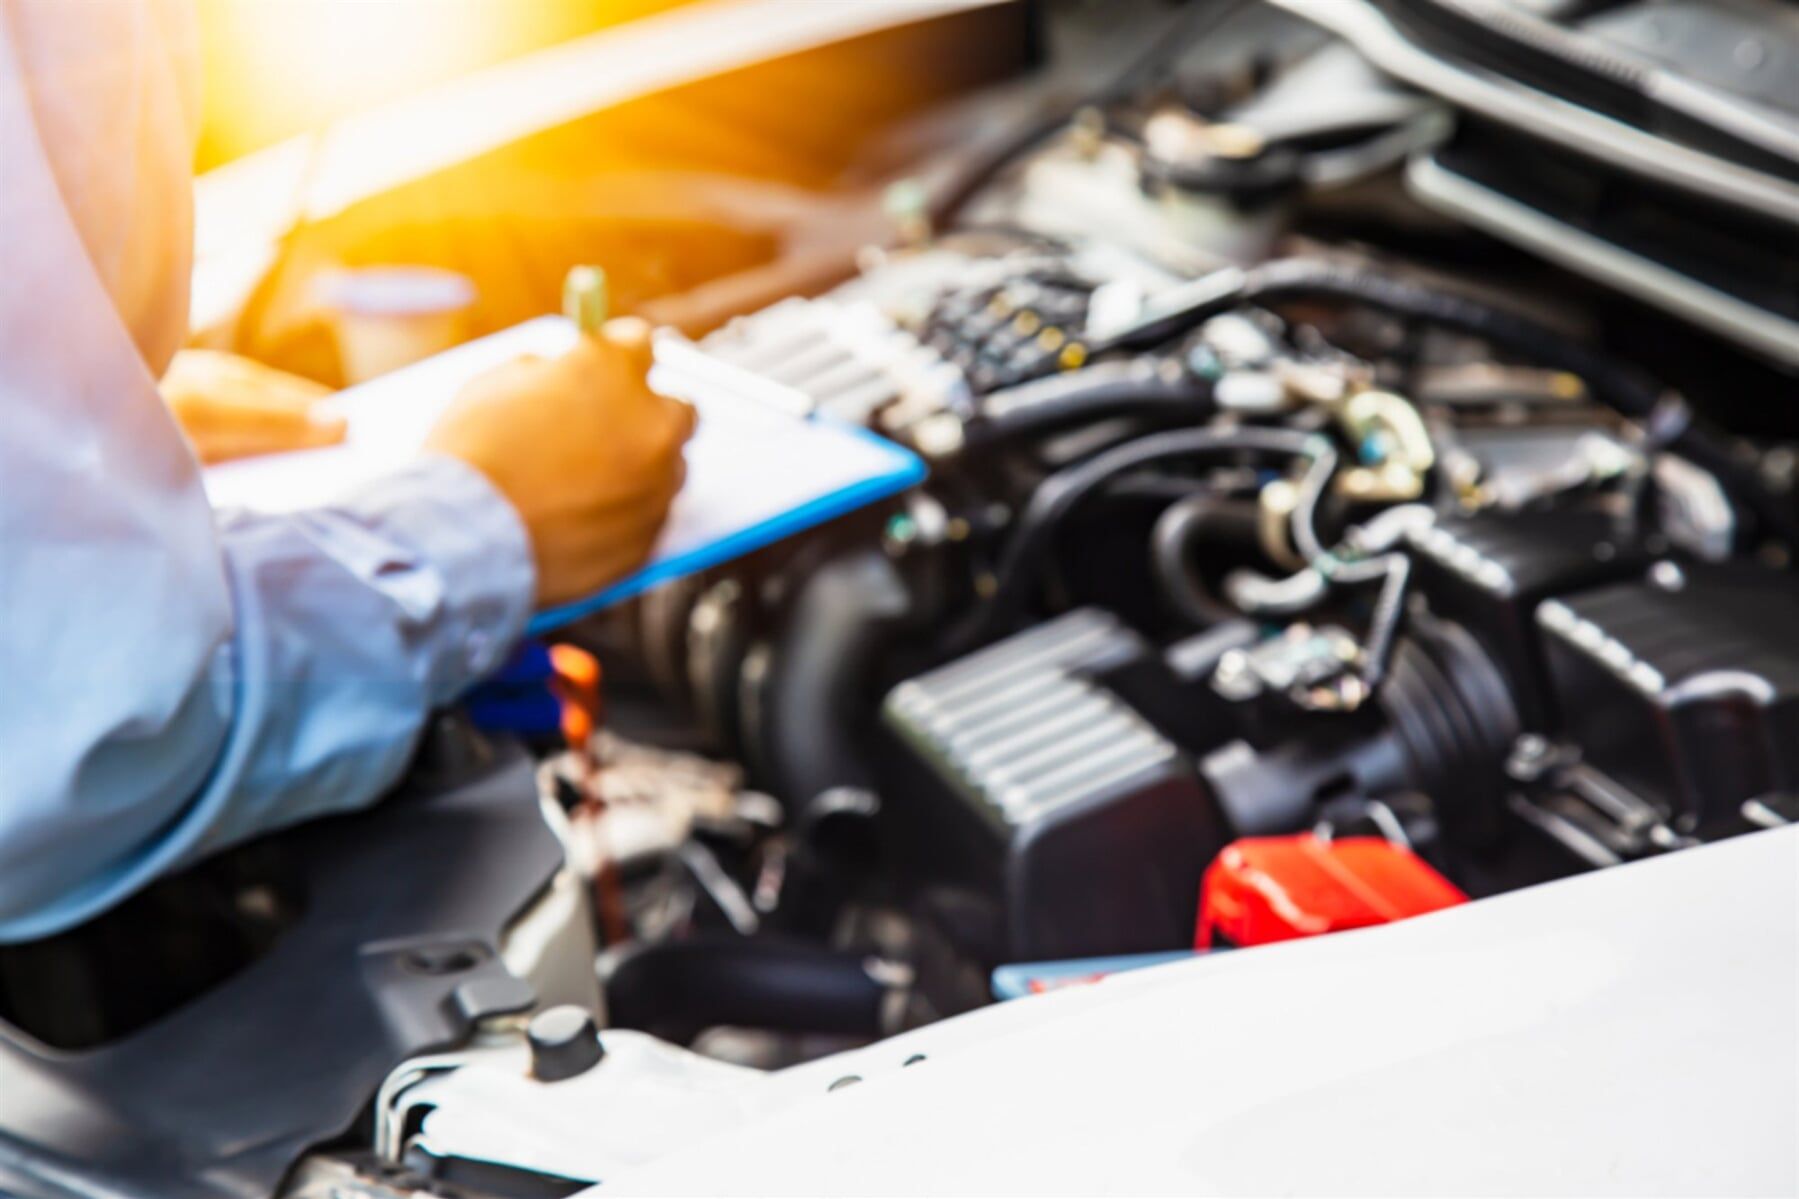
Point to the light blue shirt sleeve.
(172, 681)
(348, 625)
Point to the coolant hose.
(1063, 492)
(1184, 527)
(1139, 387)
(800, 733)
(677, 989)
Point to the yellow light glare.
(275, 68)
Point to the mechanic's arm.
(544, 481)
(168, 687)
(169, 691)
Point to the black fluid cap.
(564, 1042)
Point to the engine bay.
(1299, 553)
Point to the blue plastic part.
(518, 698)
(1019, 979)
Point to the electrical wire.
(1384, 622)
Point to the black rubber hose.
(1668, 419)
(677, 989)
(1610, 381)
(1287, 279)
(1065, 490)
(1670, 422)
(1137, 387)
(1185, 526)
(800, 733)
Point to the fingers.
(582, 553)
(322, 430)
(219, 375)
(589, 456)
(311, 435)
(222, 428)
(631, 336)
(305, 434)
(686, 419)
(623, 352)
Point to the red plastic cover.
(1266, 889)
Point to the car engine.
(1346, 479)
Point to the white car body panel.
(1630, 1032)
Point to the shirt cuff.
(454, 524)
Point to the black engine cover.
(1080, 819)
(1683, 686)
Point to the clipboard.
(758, 471)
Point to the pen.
(586, 299)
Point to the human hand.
(585, 452)
(231, 407)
